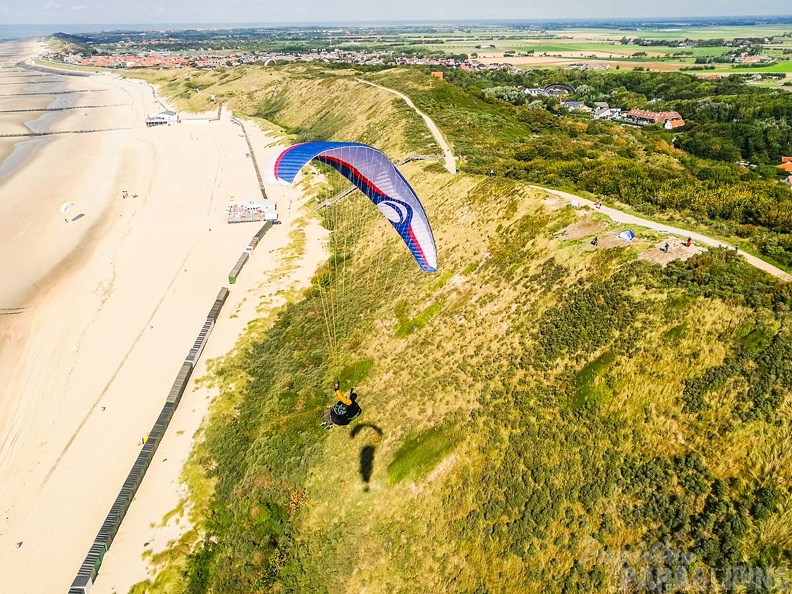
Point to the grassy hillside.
(287, 97)
(644, 169)
(535, 415)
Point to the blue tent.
(627, 235)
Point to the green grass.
(407, 327)
(354, 373)
(780, 67)
(589, 391)
(420, 454)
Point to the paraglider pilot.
(344, 411)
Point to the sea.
(22, 148)
(31, 31)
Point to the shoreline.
(15, 153)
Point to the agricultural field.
(561, 47)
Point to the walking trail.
(450, 160)
(616, 215)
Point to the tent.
(627, 235)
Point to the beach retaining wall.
(86, 576)
(232, 276)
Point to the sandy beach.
(112, 301)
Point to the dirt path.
(450, 160)
(616, 215)
(624, 218)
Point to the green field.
(781, 67)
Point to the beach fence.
(86, 576)
(232, 276)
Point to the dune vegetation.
(540, 415)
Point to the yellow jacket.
(342, 398)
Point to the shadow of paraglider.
(367, 452)
(78, 217)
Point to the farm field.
(606, 47)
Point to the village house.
(576, 106)
(669, 119)
(786, 164)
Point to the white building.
(165, 118)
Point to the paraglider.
(338, 293)
(372, 173)
(342, 412)
(66, 206)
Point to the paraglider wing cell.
(372, 173)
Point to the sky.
(317, 11)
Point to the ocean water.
(29, 31)
(23, 148)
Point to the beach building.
(252, 211)
(165, 118)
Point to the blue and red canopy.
(372, 173)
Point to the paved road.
(618, 216)
(450, 160)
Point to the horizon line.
(246, 24)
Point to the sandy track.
(619, 216)
(448, 155)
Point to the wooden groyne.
(86, 575)
(52, 70)
(55, 92)
(38, 82)
(24, 134)
(64, 108)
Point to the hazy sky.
(274, 11)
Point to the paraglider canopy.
(372, 173)
(66, 206)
